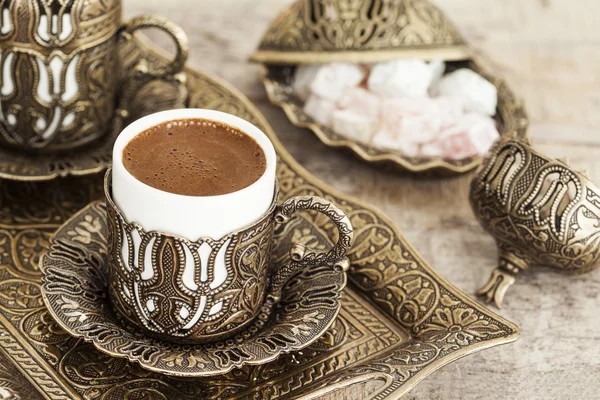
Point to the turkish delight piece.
(416, 120)
(360, 101)
(355, 126)
(432, 150)
(303, 78)
(384, 139)
(482, 131)
(401, 78)
(473, 135)
(457, 146)
(478, 94)
(449, 109)
(332, 79)
(321, 110)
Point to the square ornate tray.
(399, 323)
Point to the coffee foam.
(194, 157)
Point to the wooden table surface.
(549, 51)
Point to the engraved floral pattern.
(4, 247)
(19, 295)
(71, 309)
(44, 327)
(308, 238)
(86, 228)
(460, 325)
(366, 342)
(310, 305)
(31, 245)
(316, 25)
(185, 358)
(539, 210)
(304, 326)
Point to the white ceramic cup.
(192, 217)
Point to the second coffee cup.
(192, 205)
(63, 73)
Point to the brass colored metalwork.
(75, 286)
(318, 31)
(13, 385)
(155, 304)
(96, 157)
(511, 118)
(540, 211)
(399, 322)
(61, 70)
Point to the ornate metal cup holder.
(19, 165)
(75, 291)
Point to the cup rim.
(110, 201)
(140, 125)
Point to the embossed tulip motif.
(54, 25)
(195, 287)
(539, 210)
(56, 87)
(57, 60)
(6, 19)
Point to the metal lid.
(322, 31)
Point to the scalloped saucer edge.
(74, 290)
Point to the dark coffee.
(195, 157)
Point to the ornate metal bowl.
(312, 32)
(540, 211)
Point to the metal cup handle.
(302, 256)
(144, 70)
(147, 70)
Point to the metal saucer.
(75, 291)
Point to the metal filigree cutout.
(319, 31)
(203, 290)
(57, 59)
(195, 291)
(540, 212)
(23, 166)
(75, 284)
(394, 295)
(61, 70)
